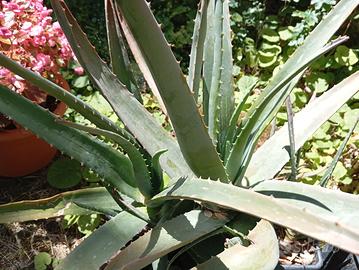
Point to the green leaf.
(42, 261)
(61, 94)
(157, 174)
(323, 225)
(119, 59)
(306, 123)
(270, 35)
(343, 206)
(163, 239)
(64, 173)
(285, 34)
(102, 244)
(345, 56)
(195, 143)
(130, 111)
(86, 224)
(81, 82)
(78, 202)
(197, 49)
(350, 118)
(142, 177)
(339, 171)
(221, 102)
(115, 167)
(318, 81)
(263, 253)
(266, 59)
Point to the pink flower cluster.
(28, 36)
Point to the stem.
(292, 154)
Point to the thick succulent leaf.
(221, 102)
(262, 254)
(157, 173)
(142, 64)
(208, 58)
(143, 180)
(144, 127)
(318, 200)
(248, 86)
(78, 202)
(306, 123)
(191, 134)
(240, 154)
(275, 93)
(327, 227)
(61, 94)
(197, 49)
(163, 239)
(115, 167)
(119, 59)
(96, 249)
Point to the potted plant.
(215, 186)
(29, 36)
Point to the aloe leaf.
(143, 180)
(232, 127)
(221, 102)
(325, 226)
(324, 180)
(163, 239)
(96, 249)
(157, 174)
(195, 143)
(144, 127)
(214, 92)
(197, 49)
(78, 202)
(306, 122)
(208, 58)
(119, 59)
(263, 253)
(343, 206)
(61, 94)
(142, 64)
(240, 154)
(115, 167)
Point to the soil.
(296, 249)
(20, 242)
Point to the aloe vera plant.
(214, 173)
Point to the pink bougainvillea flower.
(79, 71)
(28, 36)
(5, 32)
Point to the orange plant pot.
(22, 153)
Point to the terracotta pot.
(22, 153)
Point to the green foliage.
(176, 18)
(43, 261)
(131, 158)
(264, 39)
(64, 173)
(86, 224)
